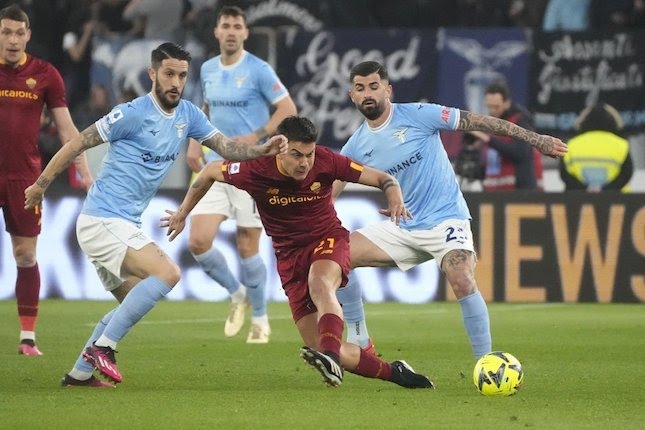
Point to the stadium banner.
(315, 67)
(571, 71)
(532, 247)
(471, 59)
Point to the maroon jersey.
(294, 213)
(23, 92)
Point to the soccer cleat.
(370, 349)
(93, 382)
(102, 357)
(330, 370)
(405, 376)
(28, 347)
(235, 319)
(259, 334)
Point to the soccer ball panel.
(498, 374)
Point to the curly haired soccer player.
(145, 137)
(293, 195)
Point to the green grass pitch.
(584, 366)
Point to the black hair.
(600, 116)
(499, 88)
(231, 11)
(168, 50)
(367, 68)
(298, 129)
(14, 13)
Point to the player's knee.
(198, 245)
(463, 283)
(24, 256)
(170, 273)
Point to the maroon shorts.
(18, 221)
(294, 264)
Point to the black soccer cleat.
(330, 370)
(405, 376)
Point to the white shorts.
(233, 203)
(105, 242)
(411, 248)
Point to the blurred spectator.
(161, 19)
(527, 13)
(618, 13)
(567, 15)
(95, 106)
(77, 47)
(511, 164)
(477, 13)
(598, 157)
(111, 23)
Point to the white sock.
(79, 374)
(29, 335)
(104, 341)
(262, 320)
(240, 295)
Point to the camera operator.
(470, 163)
(510, 164)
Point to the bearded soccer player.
(293, 195)
(27, 84)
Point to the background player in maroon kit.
(27, 84)
(293, 195)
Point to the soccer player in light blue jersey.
(403, 140)
(239, 90)
(145, 136)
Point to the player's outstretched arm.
(547, 145)
(176, 220)
(233, 150)
(395, 206)
(80, 143)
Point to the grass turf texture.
(584, 364)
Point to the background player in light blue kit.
(403, 140)
(239, 92)
(145, 137)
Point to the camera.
(470, 163)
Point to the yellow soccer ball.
(498, 374)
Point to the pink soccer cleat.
(102, 357)
(28, 348)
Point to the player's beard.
(163, 100)
(372, 112)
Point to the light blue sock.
(215, 266)
(254, 276)
(351, 297)
(81, 364)
(139, 301)
(477, 322)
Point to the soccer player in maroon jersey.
(27, 84)
(293, 195)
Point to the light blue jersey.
(144, 143)
(408, 147)
(239, 96)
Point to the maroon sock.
(371, 366)
(27, 292)
(330, 329)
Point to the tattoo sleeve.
(469, 121)
(232, 150)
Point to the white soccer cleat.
(235, 319)
(259, 334)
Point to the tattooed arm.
(176, 220)
(71, 150)
(548, 145)
(233, 150)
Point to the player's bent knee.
(198, 245)
(170, 274)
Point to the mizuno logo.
(153, 132)
(369, 154)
